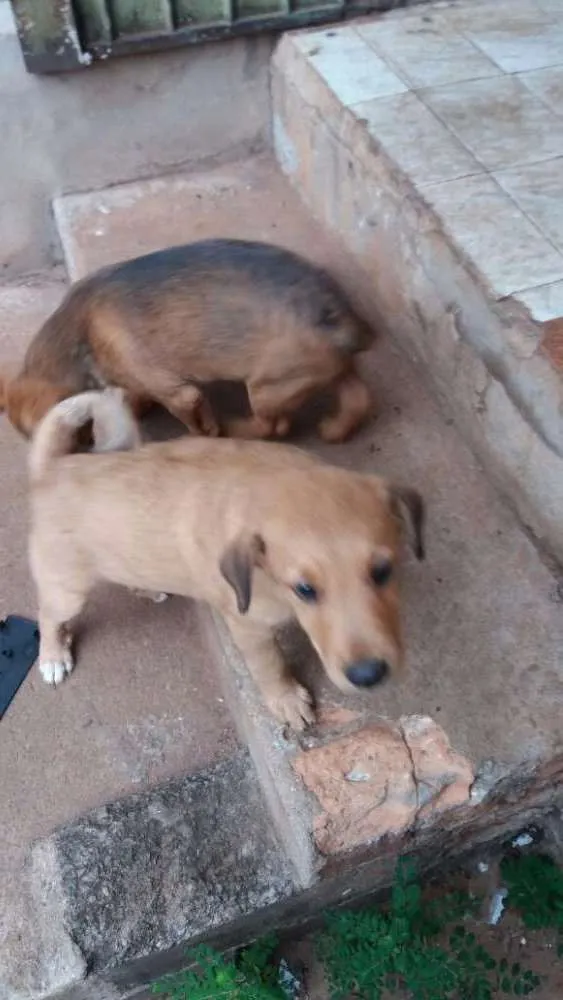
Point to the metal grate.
(107, 21)
(58, 35)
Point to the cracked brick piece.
(443, 776)
(381, 780)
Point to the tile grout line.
(489, 173)
(418, 190)
(523, 211)
(462, 37)
(520, 73)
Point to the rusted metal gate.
(59, 35)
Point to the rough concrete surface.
(163, 866)
(248, 197)
(116, 121)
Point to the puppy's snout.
(367, 673)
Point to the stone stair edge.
(438, 312)
(92, 881)
(63, 206)
(310, 882)
(522, 335)
(486, 782)
(512, 804)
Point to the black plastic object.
(19, 648)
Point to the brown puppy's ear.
(409, 506)
(237, 564)
(27, 400)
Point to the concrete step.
(431, 141)
(465, 749)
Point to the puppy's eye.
(306, 592)
(381, 573)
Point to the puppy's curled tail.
(114, 428)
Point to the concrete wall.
(122, 120)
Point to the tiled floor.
(467, 98)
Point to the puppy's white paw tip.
(54, 672)
(159, 598)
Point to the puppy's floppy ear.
(409, 506)
(237, 564)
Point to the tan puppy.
(165, 325)
(264, 533)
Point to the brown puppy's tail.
(113, 428)
(27, 400)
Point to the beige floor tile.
(427, 49)
(498, 120)
(547, 84)
(545, 303)
(538, 46)
(538, 190)
(416, 140)
(488, 226)
(522, 15)
(349, 65)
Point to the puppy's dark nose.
(367, 673)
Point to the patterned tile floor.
(467, 98)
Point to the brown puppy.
(163, 325)
(264, 533)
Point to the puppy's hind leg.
(353, 406)
(189, 405)
(55, 644)
(273, 403)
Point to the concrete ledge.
(148, 873)
(483, 357)
(158, 895)
(357, 788)
(154, 870)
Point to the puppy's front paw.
(54, 672)
(293, 706)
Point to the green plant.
(535, 889)
(372, 950)
(417, 944)
(250, 976)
